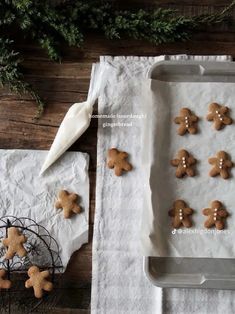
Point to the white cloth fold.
(118, 283)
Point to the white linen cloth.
(25, 194)
(118, 283)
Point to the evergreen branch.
(51, 26)
(11, 75)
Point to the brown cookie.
(181, 214)
(187, 121)
(38, 280)
(14, 243)
(4, 283)
(68, 202)
(216, 215)
(221, 165)
(118, 161)
(219, 115)
(185, 164)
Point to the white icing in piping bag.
(76, 120)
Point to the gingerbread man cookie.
(68, 202)
(187, 121)
(117, 160)
(185, 164)
(216, 215)
(14, 243)
(218, 114)
(38, 280)
(4, 283)
(181, 214)
(221, 165)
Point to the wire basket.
(42, 251)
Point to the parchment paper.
(158, 236)
(25, 194)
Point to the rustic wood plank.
(63, 84)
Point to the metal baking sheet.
(213, 273)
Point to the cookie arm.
(48, 286)
(123, 155)
(212, 160)
(224, 109)
(223, 213)
(28, 283)
(191, 160)
(110, 164)
(188, 211)
(194, 118)
(210, 117)
(73, 197)
(175, 162)
(21, 251)
(171, 213)
(177, 120)
(58, 205)
(228, 163)
(206, 211)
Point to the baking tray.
(177, 272)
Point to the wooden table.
(63, 84)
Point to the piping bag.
(77, 119)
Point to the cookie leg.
(182, 130)
(127, 166)
(219, 225)
(224, 174)
(192, 130)
(118, 171)
(214, 172)
(179, 173)
(176, 223)
(190, 172)
(77, 209)
(187, 222)
(227, 120)
(209, 223)
(218, 125)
